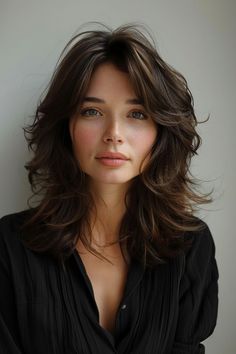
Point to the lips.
(112, 155)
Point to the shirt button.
(123, 307)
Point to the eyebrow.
(99, 100)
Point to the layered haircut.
(161, 201)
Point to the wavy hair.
(162, 199)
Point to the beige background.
(196, 37)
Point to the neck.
(110, 206)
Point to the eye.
(85, 112)
(138, 113)
(93, 112)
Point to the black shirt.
(169, 309)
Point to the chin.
(111, 179)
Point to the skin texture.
(111, 126)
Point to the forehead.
(107, 80)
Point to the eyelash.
(93, 109)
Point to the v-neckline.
(134, 275)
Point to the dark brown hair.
(162, 199)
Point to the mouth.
(112, 162)
(110, 158)
(112, 155)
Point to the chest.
(108, 282)
(45, 298)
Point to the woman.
(112, 259)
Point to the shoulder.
(203, 244)
(10, 224)
(14, 219)
(15, 216)
(201, 269)
(198, 259)
(198, 293)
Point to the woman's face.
(110, 124)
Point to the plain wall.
(195, 37)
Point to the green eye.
(84, 112)
(91, 112)
(137, 115)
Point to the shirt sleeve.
(9, 334)
(198, 302)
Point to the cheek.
(151, 136)
(83, 137)
(146, 139)
(146, 142)
(86, 137)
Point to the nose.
(112, 134)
